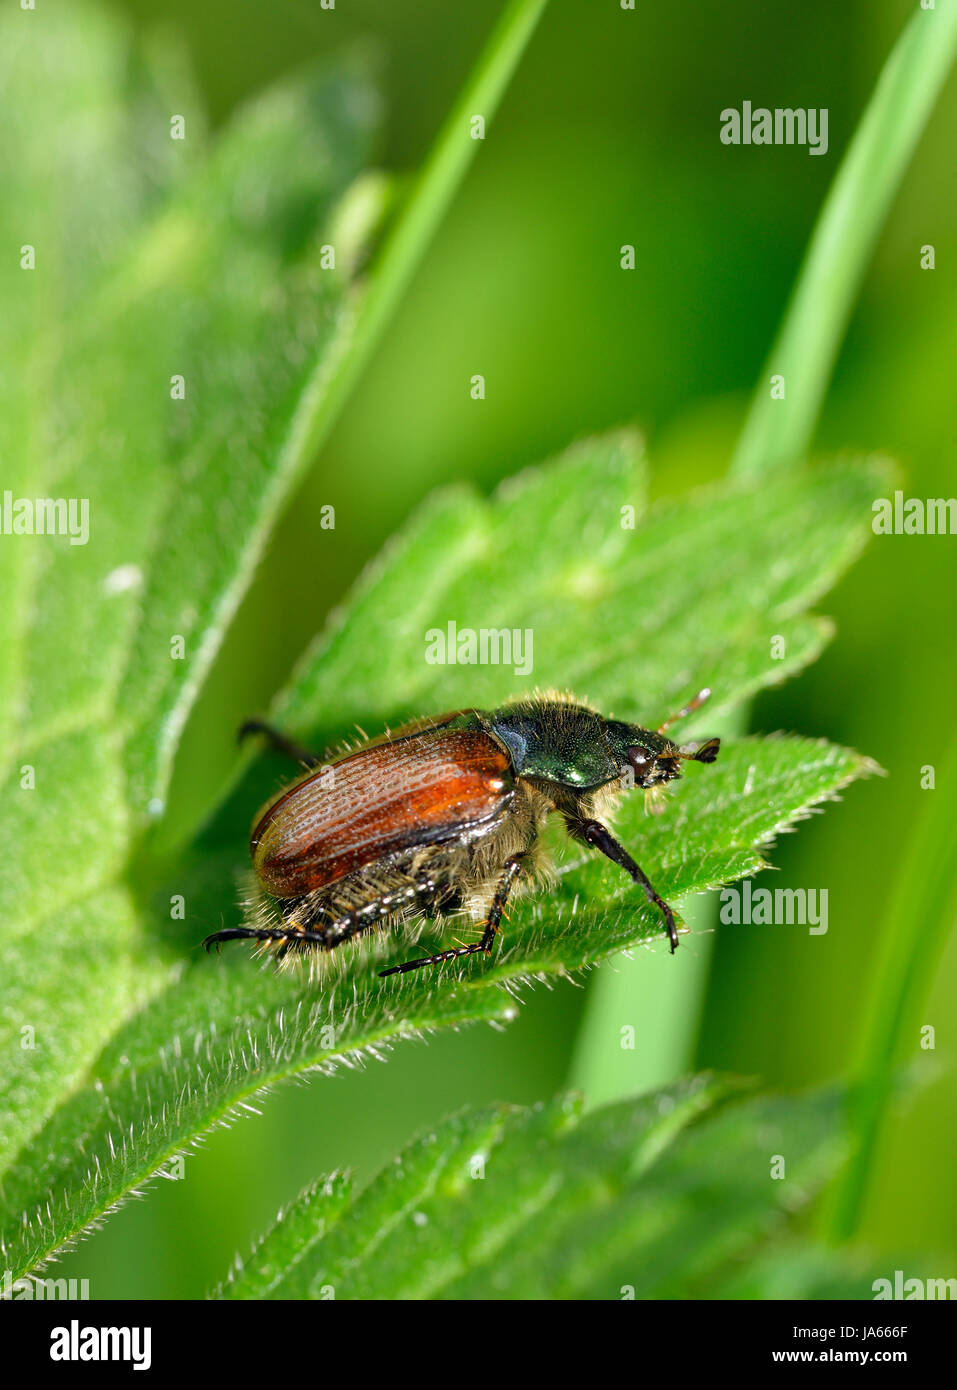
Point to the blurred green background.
(609, 135)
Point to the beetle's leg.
(511, 870)
(592, 832)
(279, 741)
(333, 931)
(288, 935)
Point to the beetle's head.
(650, 759)
(654, 759)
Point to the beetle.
(443, 816)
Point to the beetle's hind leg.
(285, 933)
(304, 925)
(512, 868)
(280, 741)
(289, 936)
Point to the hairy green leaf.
(647, 1198)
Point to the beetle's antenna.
(701, 752)
(689, 708)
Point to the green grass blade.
(777, 433)
(442, 173)
(920, 915)
(661, 999)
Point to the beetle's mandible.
(444, 816)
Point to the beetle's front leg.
(592, 832)
(279, 741)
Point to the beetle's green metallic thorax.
(556, 742)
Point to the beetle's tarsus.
(438, 959)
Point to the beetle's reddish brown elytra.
(444, 816)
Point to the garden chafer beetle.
(443, 816)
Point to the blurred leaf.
(793, 1269)
(216, 1037)
(647, 1198)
